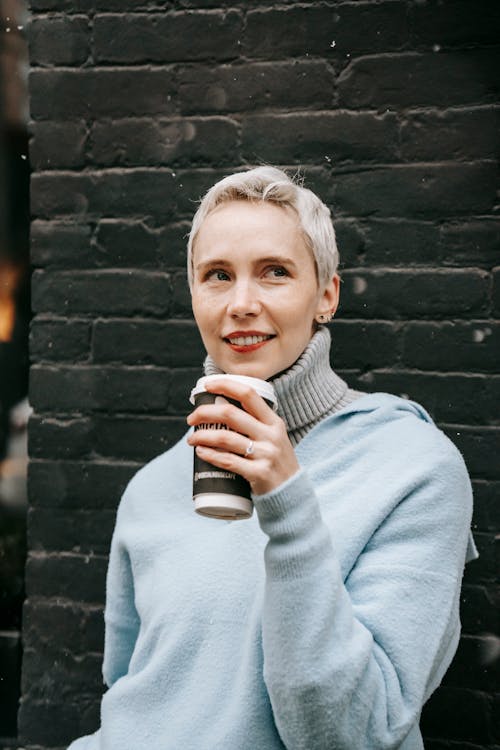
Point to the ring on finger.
(249, 450)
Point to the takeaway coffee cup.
(218, 493)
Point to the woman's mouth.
(247, 342)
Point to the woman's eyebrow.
(212, 262)
(278, 260)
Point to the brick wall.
(391, 110)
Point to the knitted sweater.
(325, 621)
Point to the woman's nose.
(244, 300)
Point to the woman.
(329, 617)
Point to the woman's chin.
(251, 370)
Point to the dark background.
(390, 109)
(14, 363)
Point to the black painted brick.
(182, 383)
(479, 610)
(129, 243)
(331, 136)
(364, 345)
(496, 720)
(420, 191)
(456, 398)
(60, 340)
(289, 32)
(48, 668)
(455, 135)
(171, 343)
(403, 80)
(456, 23)
(389, 242)
(55, 724)
(137, 439)
(172, 243)
(161, 193)
(77, 485)
(235, 88)
(59, 40)
(58, 145)
(389, 293)
(473, 346)
(399, 242)
(81, 624)
(61, 244)
(311, 30)
(496, 292)
(473, 664)
(181, 301)
(83, 389)
(119, 243)
(96, 93)
(351, 242)
(70, 530)
(68, 6)
(112, 292)
(70, 576)
(74, 6)
(457, 713)
(486, 505)
(60, 438)
(473, 242)
(484, 570)
(433, 744)
(166, 37)
(478, 445)
(317, 178)
(111, 193)
(121, 438)
(137, 142)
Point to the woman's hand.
(258, 429)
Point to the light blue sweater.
(325, 621)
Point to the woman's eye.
(217, 274)
(277, 272)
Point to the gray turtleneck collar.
(309, 390)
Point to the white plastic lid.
(262, 387)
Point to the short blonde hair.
(274, 185)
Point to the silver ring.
(249, 449)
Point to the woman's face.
(255, 292)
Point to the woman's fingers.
(256, 468)
(223, 440)
(225, 413)
(246, 419)
(249, 399)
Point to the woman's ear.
(329, 300)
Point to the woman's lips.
(247, 342)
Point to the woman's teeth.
(248, 340)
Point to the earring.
(324, 317)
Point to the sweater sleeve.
(349, 664)
(120, 615)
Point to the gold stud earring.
(324, 317)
